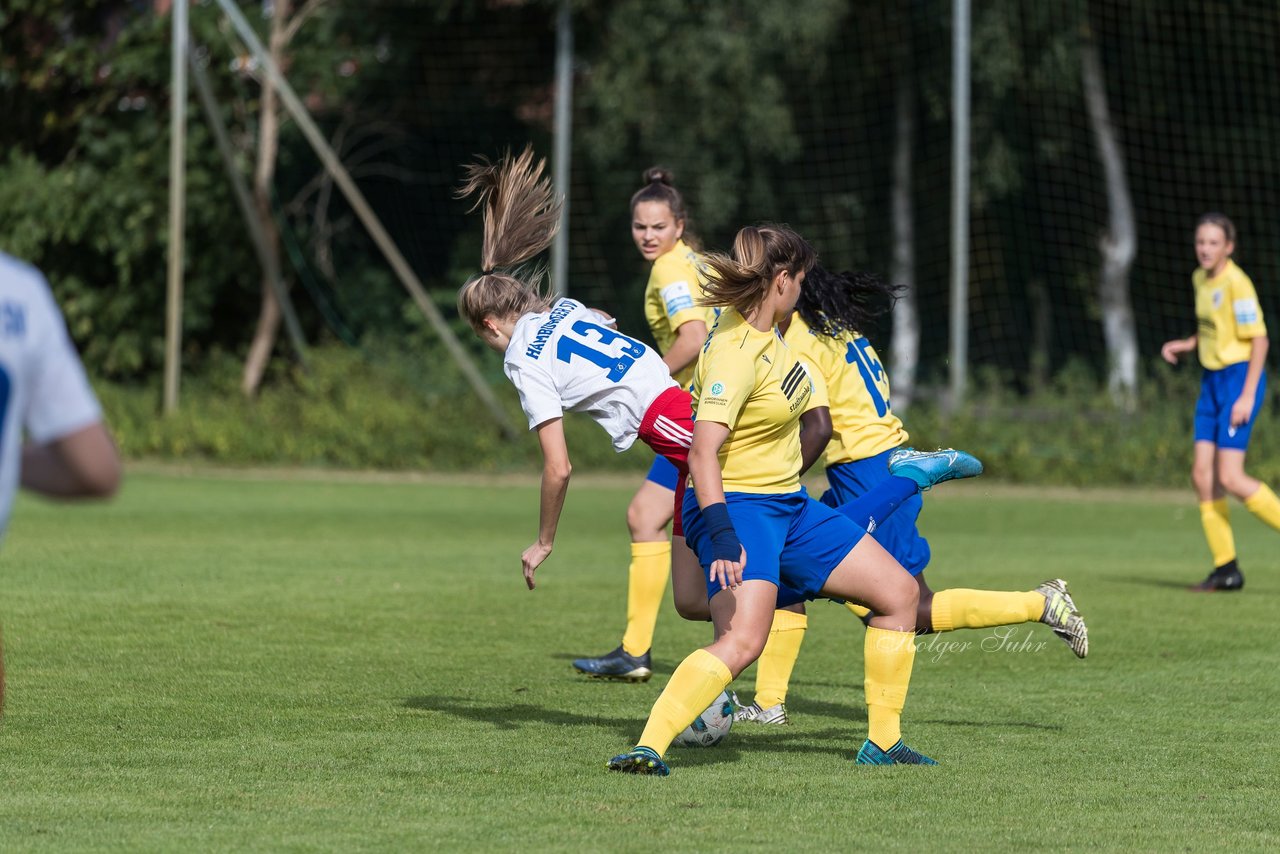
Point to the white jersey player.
(44, 392)
(570, 358)
(566, 357)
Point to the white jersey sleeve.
(43, 388)
(62, 401)
(538, 396)
(567, 359)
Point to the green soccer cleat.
(1061, 614)
(639, 760)
(899, 754)
(930, 468)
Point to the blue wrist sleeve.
(724, 539)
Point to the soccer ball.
(710, 727)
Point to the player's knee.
(1202, 477)
(694, 608)
(643, 519)
(1235, 482)
(739, 649)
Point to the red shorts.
(667, 427)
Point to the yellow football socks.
(888, 656)
(960, 608)
(1216, 519)
(858, 611)
(773, 669)
(1265, 506)
(696, 682)
(650, 568)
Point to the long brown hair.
(521, 216)
(742, 278)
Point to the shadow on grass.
(514, 716)
(992, 724)
(1166, 583)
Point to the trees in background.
(831, 115)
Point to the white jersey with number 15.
(567, 358)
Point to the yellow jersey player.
(1231, 340)
(754, 529)
(679, 323)
(866, 437)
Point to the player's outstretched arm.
(1175, 348)
(81, 464)
(555, 483)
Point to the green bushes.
(352, 410)
(381, 409)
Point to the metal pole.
(561, 155)
(270, 267)
(959, 200)
(177, 205)
(368, 218)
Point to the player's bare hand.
(1242, 410)
(532, 559)
(728, 573)
(1173, 349)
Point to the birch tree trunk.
(906, 320)
(1119, 243)
(268, 327)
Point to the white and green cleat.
(1061, 615)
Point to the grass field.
(240, 663)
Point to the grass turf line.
(321, 665)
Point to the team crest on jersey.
(1217, 299)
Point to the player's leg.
(1213, 423)
(774, 667)
(648, 515)
(826, 554)
(742, 617)
(1258, 498)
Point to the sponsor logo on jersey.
(677, 298)
(1246, 311)
(559, 313)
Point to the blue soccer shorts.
(791, 540)
(1219, 391)
(898, 533)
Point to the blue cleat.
(617, 665)
(930, 468)
(639, 760)
(899, 754)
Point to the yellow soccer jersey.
(752, 382)
(1228, 316)
(671, 299)
(862, 419)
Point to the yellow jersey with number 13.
(671, 299)
(1228, 317)
(751, 381)
(862, 420)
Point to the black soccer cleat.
(619, 665)
(1226, 577)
